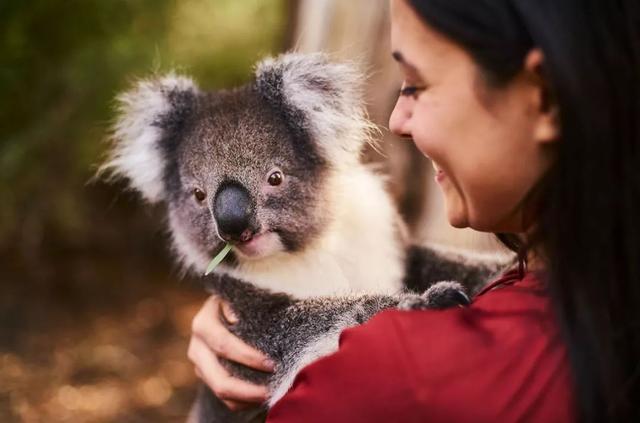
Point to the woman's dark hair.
(588, 225)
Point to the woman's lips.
(440, 175)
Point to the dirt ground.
(87, 357)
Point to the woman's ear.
(547, 127)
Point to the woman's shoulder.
(501, 359)
(508, 311)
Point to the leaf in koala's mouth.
(218, 259)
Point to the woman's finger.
(226, 387)
(208, 326)
(227, 313)
(238, 405)
(231, 405)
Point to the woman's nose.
(400, 117)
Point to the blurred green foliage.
(71, 252)
(61, 65)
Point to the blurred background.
(94, 319)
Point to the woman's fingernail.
(269, 364)
(228, 314)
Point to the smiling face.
(489, 146)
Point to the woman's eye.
(411, 90)
(275, 178)
(199, 194)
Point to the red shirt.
(499, 360)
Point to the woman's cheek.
(487, 206)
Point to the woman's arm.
(501, 359)
(300, 332)
(212, 341)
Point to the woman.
(530, 112)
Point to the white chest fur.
(360, 252)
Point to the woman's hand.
(210, 340)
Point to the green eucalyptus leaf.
(218, 259)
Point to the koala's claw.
(451, 298)
(463, 299)
(447, 294)
(440, 295)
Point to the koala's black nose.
(232, 209)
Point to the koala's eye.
(275, 178)
(199, 194)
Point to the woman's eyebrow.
(398, 57)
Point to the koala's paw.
(440, 295)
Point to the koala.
(273, 168)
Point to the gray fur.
(332, 254)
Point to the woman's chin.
(457, 215)
(458, 222)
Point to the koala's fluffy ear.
(324, 98)
(147, 114)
